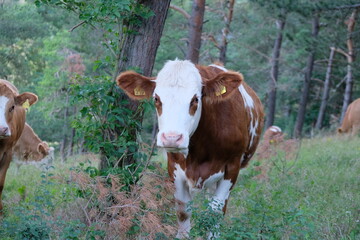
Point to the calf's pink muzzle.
(171, 140)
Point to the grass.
(313, 196)
(318, 198)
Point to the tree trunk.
(350, 58)
(271, 100)
(326, 90)
(195, 30)
(226, 30)
(139, 51)
(306, 86)
(71, 142)
(64, 141)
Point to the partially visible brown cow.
(273, 146)
(12, 121)
(351, 121)
(29, 148)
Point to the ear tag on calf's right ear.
(222, 91)
(139, 91)
(26, 104)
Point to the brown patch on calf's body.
(158, 104)
(182, 216)
(193, 105)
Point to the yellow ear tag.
(222, 91)
(26, 104)
(139, 91)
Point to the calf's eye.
(12, 108)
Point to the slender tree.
(195, 30)
(350, 59)
(271, 98)
(226, 30)
(326, 90)
(307, 79)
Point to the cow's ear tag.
(138, 91)
(222, 91)
(26, 104)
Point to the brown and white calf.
(210, 122)
(30, 149)
(351, 121)
(12, 120)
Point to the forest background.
(44, 51)
(299, 56)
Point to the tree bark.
(138, 51)
(326, 90)
(350, 58)
(226, 30)
(195, 30)
(307, 79)
(271, 99)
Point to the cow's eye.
(157, 99)
(194, 100)
(11, 109)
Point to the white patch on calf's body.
(221, 194)
(3, 123)
(253, 134)
(181, 185)
(182, 195)
(219, 67)
(248, 101)
(213, 179)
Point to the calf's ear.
(136, 86)
(42, 149)
(21, 98)
(222, 86)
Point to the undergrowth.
(313, 194)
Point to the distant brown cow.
(271, 147)
(12, 121)
(351, 121)
(30, 148)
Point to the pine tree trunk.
(226, 30)
(350, 58)
(195, 30)
(271, 100)
(307, 80)
(326, 90)
(139, 51)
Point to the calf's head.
(178, 93)
(42, 151)
(11, 105)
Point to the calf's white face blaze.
(178, 87)
(4, 127)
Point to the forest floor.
(312, 193)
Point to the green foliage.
(109, 11)
(33, 219)
(103, 122)
(205, 219)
